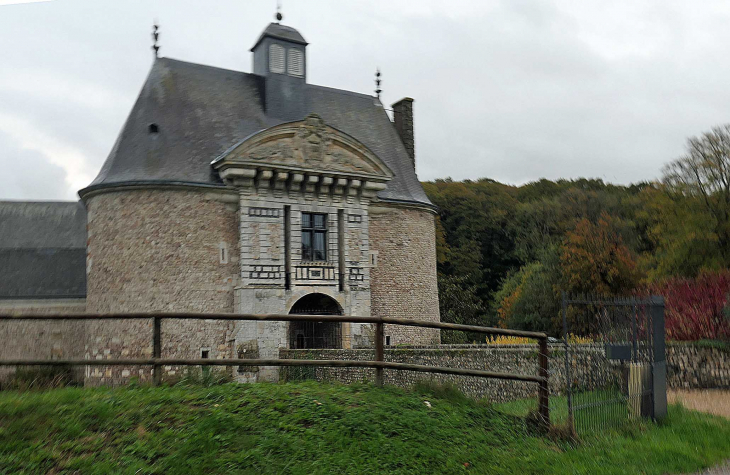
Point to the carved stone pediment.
(306, 146)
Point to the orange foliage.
(596, 260)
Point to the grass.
(310, 428)
(611, 411)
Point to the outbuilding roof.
(42, 250)
(188, 114)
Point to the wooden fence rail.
(157, 362)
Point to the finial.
(377, 83)
(279, 16)
(155, 37)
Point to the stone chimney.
(403, 119)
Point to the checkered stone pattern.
(357, 274)
(265, 272)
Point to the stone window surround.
(312, 231)
(299, 203)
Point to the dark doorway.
(303, 335)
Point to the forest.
(506, 253)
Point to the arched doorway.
(303, 335)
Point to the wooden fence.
(379, 364)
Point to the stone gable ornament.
(308, 145)
(312, 140)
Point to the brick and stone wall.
(688, 366)
(41, 339)
(159, 250)
(403, 279)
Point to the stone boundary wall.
(41, 339)
(697, 367)
(513, 359)
(688, 366)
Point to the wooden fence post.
(156, 350)
(379, 337)
(543, 391)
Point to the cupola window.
(296, 62)
(276, 59)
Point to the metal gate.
(615, 364)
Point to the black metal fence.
(615, 362)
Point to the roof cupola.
(280, 56)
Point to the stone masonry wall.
(696, 367)
(40, 339)
(687, 367)
(513, 359)
(403, 279)
(159, 250)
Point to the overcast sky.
(513, 90)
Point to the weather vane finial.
(377, 83)
(155, 37)
(279, 16)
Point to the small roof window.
(276, 59)
(153, 128)
(296, 62)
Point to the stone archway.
(304, 335)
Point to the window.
(373, 258)
(387, 340)
(314, 237)
(276, 59)
(296, 62)
(205, 354)
(223, 252)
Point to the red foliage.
(695, 308)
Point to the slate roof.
(275, 30)
(201, 111)
(42, 250)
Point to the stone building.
(250, 193)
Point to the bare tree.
(704, 172)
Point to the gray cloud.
(512, 90)
(28, 174)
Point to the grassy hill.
(314, 428)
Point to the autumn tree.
(595, 260)
(703, 172)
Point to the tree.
(704, 172)
(459, 303)
(595, 260)
(681, 236)
(530, 298)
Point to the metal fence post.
(659, 365)
(156, 350)
(379, 337)
(543, 391)
(568, 376)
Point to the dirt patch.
(713, 401)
